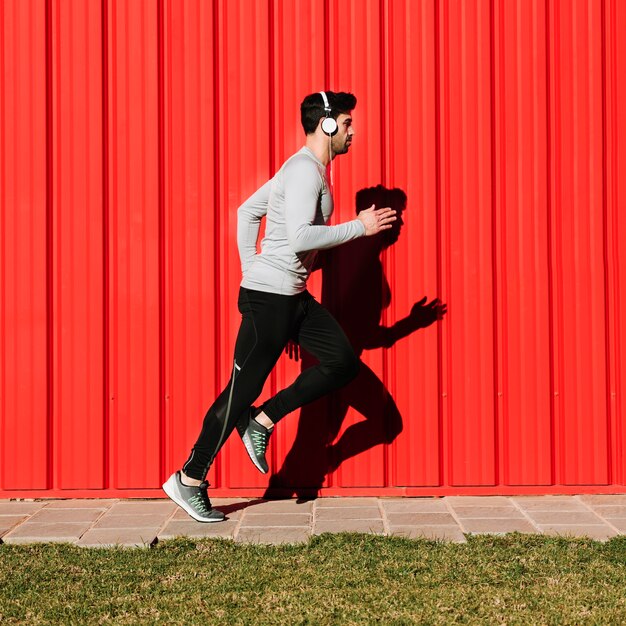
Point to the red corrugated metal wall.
(132, 130)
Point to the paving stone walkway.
(144, 522)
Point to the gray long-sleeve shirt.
(298, 204)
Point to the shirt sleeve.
(249, 216)
(303, 187)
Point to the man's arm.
(249, 216)
(303, 186)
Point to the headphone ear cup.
(329, 125)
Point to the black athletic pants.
(268, 322)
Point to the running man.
(274, 303)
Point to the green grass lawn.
(334, 579)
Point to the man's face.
(342, 139)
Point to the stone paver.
(486, 511)
(447, 533)
(599, 531)
(278, 506)
(609, 511)
(191, 528)
(298, 534)
(620, 524)
(418, 505)
(135, 522)
(15, 507)
(477, 500)
(323, 503)
(7, 522)
(142, 520)
(92, 503)
(547, 498)
(47, 515)
(497, 525)
(150, 506)
(352, 512)
(349, 525)
(284, 519)
(549, 503)
(567, 517)
(420, 519)
(101, 537)
(603, 499)
(28, 532)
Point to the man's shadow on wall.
(355, 290)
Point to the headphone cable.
(330, 161)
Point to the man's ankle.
(189, 482)
(264, 420)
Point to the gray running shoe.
(255, 438)
(194, 500)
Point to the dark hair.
(312, 108)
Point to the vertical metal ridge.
(549, 242)
(619, 439)
(145, 315)
(387, 354)
(271, 156)
(55, 230)
(105, 243)
(112, 218)
(272, 87)
(31, 89)
(127, 176)
(326, 43)
(14, 150)
(494, 251)
(3, 247)
(161, 240)
(612, 414)
(440, 452)
(168, 225)
(50, 470)
(384, 59)
(200, 152)
(605, 250)
(331, 478)
(216, 194)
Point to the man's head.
(341, 104)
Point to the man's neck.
(318, 145)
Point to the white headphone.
(329, 125)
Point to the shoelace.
(259, 439)
(201, 500)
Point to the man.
(274, 303)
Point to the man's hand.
(376, 220)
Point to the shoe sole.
(172, 495)
(247, 442)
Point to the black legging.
(268, 322)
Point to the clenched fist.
(376, 220)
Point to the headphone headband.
(325, 99)
(330, 127)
